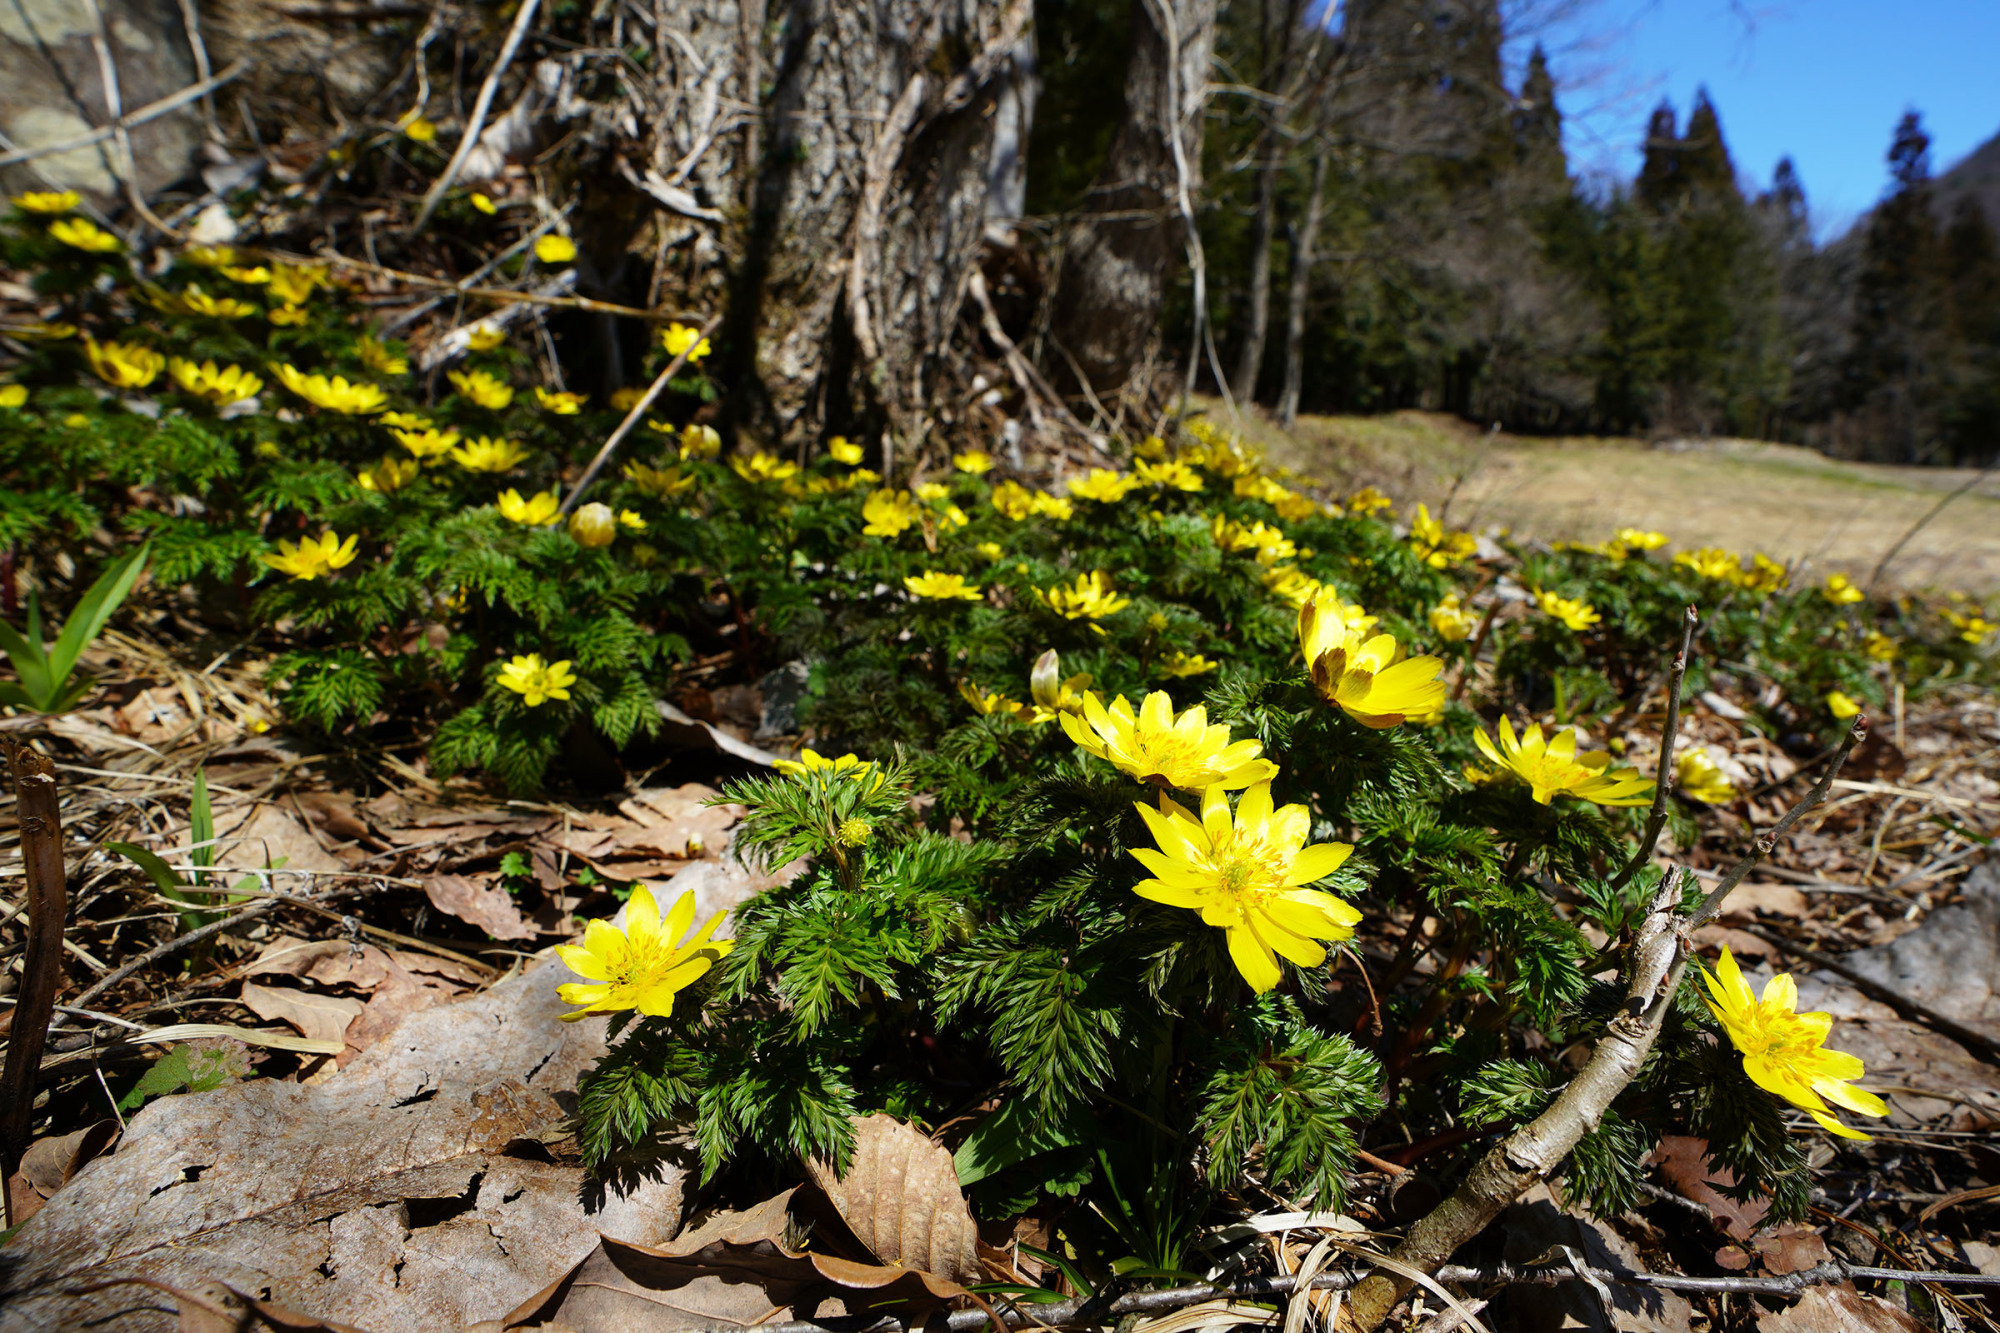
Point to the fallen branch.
(480, 107)
(484, 293)
(41, 975)
(639, 409)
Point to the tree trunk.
(850, 212)
(1121, 254)
(1303, 241)
(1257, 317)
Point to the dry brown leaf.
(484, 905)
(327, 962)
(48, 1164)
(1839, 1310)
(400, 994)
(1791, 1248)
(321, 1017)
(1684, 1164)
(900, 1197)
(1771, 899)
(408, 1191)
(269, 835)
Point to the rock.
(784, 690)
(1950, 963)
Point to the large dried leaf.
(409, 1191)
(735, 1270)
(478, 903)
(1839, 1310)
(900, 1198)
(320, 1017)
(1684, 1164)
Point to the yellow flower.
(1763, 574)
(335, 394)
(1291, 584)
(1973, 628)
(942, 587)
(844, 450)
(888, 513)
(1841, 706)
(1840, 590)
(631, 520)
(1881, 647)
(530, 513)
(678, 338)
(419, 130)
(13, 395)
(987, 704)
(1267, 543)
(1013, 500)
(535, 682)
(810, 761)
(1248, 876)
(1053, 696)
(313, 557)
(1089, 598)
(1367, 501)
(1573, 612)
(662, 483)
(195, 301)
(484, 336)
(1697, 778)
(379, 358)
(973, 462)
(594, 526)
(77, 421)
(555, 249)
(699, 442)
(1293, 507)
(123, 365)
(1638, 539)
(489, 455)
(293, 284)
(256, 276)
(1784, 1052)
(1179, 664)
(1176, 475)
(1710, 562)
(990, 550)
(1048, 506)
(212, 256)
(931, 491)
(404, 420)
(1155, 746)
(222, 387)
(428, 442)
(391, 474)
(562, 404)
(1434, 545)
(47, 201)
(83, 234)
(1361, 674)
(627, 398)
(484, 204)
(762, 467)
(287, 316)
(1103, 486)
(1453, 622)
(1554, 768)
(483, 389)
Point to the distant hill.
(1978, 174)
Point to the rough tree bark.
(1120, 255)
(1257, 312)
(1304, 239)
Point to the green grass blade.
(95, 609)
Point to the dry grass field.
(1788, 502)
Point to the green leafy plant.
(47, 676)
(199, 905)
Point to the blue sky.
(1822, 80)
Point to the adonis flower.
(530, 513)
(1013, 500)
(489, 455)
(888, 513)
(986, 703)
(1436, 546)
(1175, 475)
(1452, 621)
(313, 556)
(83, 234)
(1841, 705)
(594, 526)
(123, 365)
(1971, 628)
(562, 404)
(1579, 615)
(294, 283)
(1697, 778)
(13, 395)
(810, 761)
(1090, 598)
(1784, 1052)
(1178, 664)
(1155, 746)
(763, 467)
(1710, 562)
(844, 450)
(1288, 583)
(378, 358)
(1268, 544)
(640, 967)
(335, 394)
(554, 249)
(1361, 674)
(1103, 486)
(973, 462)
(1553, 768)
(535, 681)
(678, 338)
(47, 201)
(391, 474)
(1247, 874)
(483, 389)
(427, 442)
(661, 483)
(484, 336)
(942, 587)
(231, 384)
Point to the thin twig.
(1765, 843)
(480, 107)
(1980, 1045)
(484, 293)
(639, 409)
(1882, 565)
(1663, 786)
(40, 819)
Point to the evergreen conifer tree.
(1893, 372)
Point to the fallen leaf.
(400, 994)
(484, 905)
(1537, 1225)
(408, 1192)
(900, 1198)
(270, 835)
(48, 1164)
(1684, 1164)
(1739, 942)
(1768, 898)
(1791, 1248)
(328, 962)
(321, 1017)
(1839, 1310)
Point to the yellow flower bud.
(594, 525)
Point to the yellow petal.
(1253, 960)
